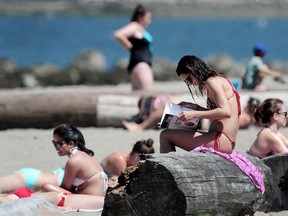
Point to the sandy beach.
(32, 147)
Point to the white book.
(170, 118)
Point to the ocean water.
(53, 39)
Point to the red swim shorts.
(23, 192)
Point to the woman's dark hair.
(138, 13)
(266, 110)
(252, 104)
(71, 133)
(143, 147)
(197, 68)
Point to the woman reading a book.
(223, 110)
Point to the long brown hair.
(193, 65)
(266, 110)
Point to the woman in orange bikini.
(223, 109)
(84, 184)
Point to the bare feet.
(132, 126)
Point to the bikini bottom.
(31, 176)
(217, 140)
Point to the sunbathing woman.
(223, 109)
(246, 118)
(116, 162)
(84, 184)
(30, 178)
(272, 115)
(150, 112)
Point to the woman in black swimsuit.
(137, 40)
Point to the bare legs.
(12, 182)
(149, 123)
(187, 140)
(142, 77)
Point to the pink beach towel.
(242, 162)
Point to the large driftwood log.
(47, 109)
(190, 184)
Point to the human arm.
(122, 35)
(71, 170)
(276, 144)
(266, 70)
(283, 138)
(217, 94)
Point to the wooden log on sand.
(47, 109)
(30, 206)
(185, 183)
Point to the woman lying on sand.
(272, 115)
(84, 184)
(30, 178)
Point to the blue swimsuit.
(31, 175)
(140, 51)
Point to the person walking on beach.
(137, 40)
(272, 115)
(223, 109)
(256, 70)
(84, 184)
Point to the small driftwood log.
(183, 183)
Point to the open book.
(170, 115)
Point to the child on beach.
(223, 109)
(272, 115)
(256, 70)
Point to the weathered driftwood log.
(113, 109)
(279, 167)
(190, 184)
(47, 109)
(29, 206)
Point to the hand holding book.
(176, 116)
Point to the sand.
(33, 147)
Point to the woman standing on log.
(272, 115)
(137, 40)
(223, 109)
(84, 184)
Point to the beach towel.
(244, 164)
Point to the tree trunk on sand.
(185, 183)
(48, 109)
(279, 167)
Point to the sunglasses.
(58, 144)
(283, 113)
